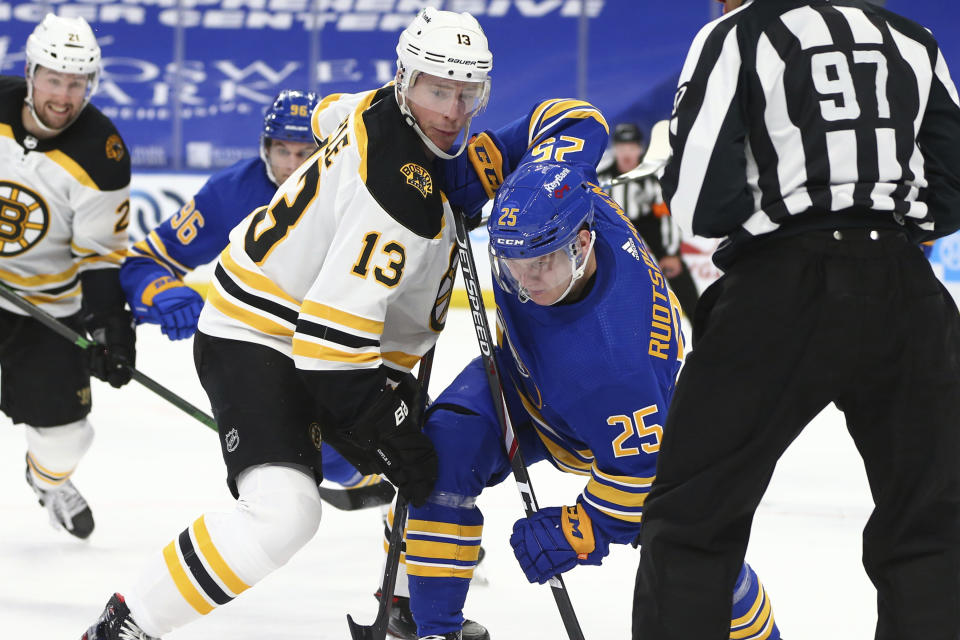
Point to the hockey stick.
(378, 630)
(510, 442)
(372, 495)
(53, 323)
(339, 498)
(656, 157)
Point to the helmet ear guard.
(446, 45)
(64, 45)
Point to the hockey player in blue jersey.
(152, 274)
(589, 369)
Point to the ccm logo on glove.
(578, 530)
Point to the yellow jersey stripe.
(563, 105)
(315, 118)
(588, 113)
(442, 550)
(400, 359)
(613, 513)
(749, 615)
(320, 352)
(431, 528)
(54, 474)
(184, 586)
(245, 316)
(209, 552)
(254, 280)
(360, 132)
(537, 113)
(760, 622)
(40, 298)
(344, 318)
(6, 130)
(115, 257)
(428, 571)
(162, 249)
(37, 280)
(616, 496)
(624, 480)
(74, 169)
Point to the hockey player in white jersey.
(319, 308)
(64, 196)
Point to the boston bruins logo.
(315, 436)
(24, 218)
(418, 178)
(115, 148)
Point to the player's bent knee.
(467, 449)
(282, 507)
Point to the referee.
(822, 141)
(643, 204)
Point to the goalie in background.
(643, 203)
(153, 271)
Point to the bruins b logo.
(418, 178)
(24, 218)
(115, 148)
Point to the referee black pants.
(802, 322)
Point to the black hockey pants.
(799, 323)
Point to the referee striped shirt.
(796, 114)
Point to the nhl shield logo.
(418, 178)
(232, 440)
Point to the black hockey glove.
(116, 353)
(390, 431)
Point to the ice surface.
(152, 470)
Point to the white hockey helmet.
(447, 45)
(66, 45)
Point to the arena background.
(186, 81)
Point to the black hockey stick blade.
(373, 495)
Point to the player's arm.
(369, 408)
(560, 130)
(939, 140)
(101, 216)
(152, 274)
(705, 182)
(623, 429)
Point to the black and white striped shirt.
(800, 114)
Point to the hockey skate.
(400, 624)
(115, 623)
(66, 507)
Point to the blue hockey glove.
(473, 177)
(173, 305)
(554, 540)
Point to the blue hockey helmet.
(535, 246)
(288, 118)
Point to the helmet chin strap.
(266, 161)
(408, 116)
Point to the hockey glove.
(390, 431)
(473, 177)
(116, 352)
(554, 540)
(173, 305)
